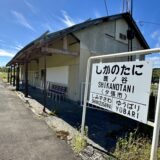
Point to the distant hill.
(3, 69)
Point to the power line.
(105, 2)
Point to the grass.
(133, 147)
(3, 75)
(53, 113)
(79, 143)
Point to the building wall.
(56, 65)
(95, 40)
(103, 39)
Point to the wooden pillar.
(14, 75)
(44, 82)
(11, 75)
(17, 78)
(26, 78)
(8, 76)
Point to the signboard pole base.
(156, 128)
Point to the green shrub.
(133, 147)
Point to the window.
(122, 36)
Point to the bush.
(133, 147)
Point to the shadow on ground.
(103, 127)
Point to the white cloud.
(155, 60)
(155, 34)
(157, 45)
(3, 63)
(22, 20)
(13, 47)
(156, 37)
(48, 26)
(18, 47)
(6, 53)
(47, 23)
(67, 20)
(2, 41)
(31, 7)
(97, 14)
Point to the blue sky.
(24, 20)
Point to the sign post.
(116, 89)
(156, 128)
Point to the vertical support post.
(85, 97)
(11, 76)
(17, 78)
(26, 78)
(14, 75)
(44, 82)
(8, 76)
(156, 128)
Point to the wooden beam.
(58, 51)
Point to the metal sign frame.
(155, 124)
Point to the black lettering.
(129, 88)
(120, 110)
(117, 108)
(124, 88)
(132, 89)
(129, 113)
(124, 111)
(137, 115)
(133, 114)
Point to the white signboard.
(122, 87)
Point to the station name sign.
(122, 87)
